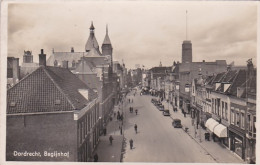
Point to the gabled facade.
(232, 115)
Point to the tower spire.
(106, 30)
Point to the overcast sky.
(141, 32)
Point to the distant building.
(53, 115)
(73, 56)
(13, 71)
(186, 52)
(28, 66)
(189, 71)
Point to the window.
(222, 110)
(237, 119)
(213, 109)
(12, 104)
(57, 102)
(249, 122)
(232, 117)
(82, 130)
(226, 111)
(242, 120)
(254, 130)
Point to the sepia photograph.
(129, 81)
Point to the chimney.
(250, 68)
(16, 70)
(65, 64)
(42, 58)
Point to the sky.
(144, 32)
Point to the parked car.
(158, 104)
(161, 107)
(153, 100)
(177, 123)
(166, 112)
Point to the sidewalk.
(107, 152)
(218, 152)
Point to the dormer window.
(57, 102)
(12, 104)
(84, 93)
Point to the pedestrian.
(105, 131)
(135, 128)
(111, 139)
(96, 157)
(184, 114)
(121, 130)
(122, 118)
(130, 109)
(136, 111)
(131, 143)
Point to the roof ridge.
(59, 88)
(232, 84)
(25, 77)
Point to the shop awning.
(220, 130)
(211, 124)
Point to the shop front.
(237, 142)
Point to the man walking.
(96, 157)
(136, 111)
(111, 139)
(135, 128)
(131, 143)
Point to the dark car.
(176, 123)
(153, 100)
(160, 107)
(158, 103)
(166, 112)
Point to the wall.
(41, 132)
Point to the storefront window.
(238, 147)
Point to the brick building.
(54, 114)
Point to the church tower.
(92, 41)
(107, 48)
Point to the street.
(157, 140)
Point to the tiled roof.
(65, 56)
(228, 76)
(239, 79)
(94, 53)
(107, 39)
(42, 89)
(91, 43)
(90, 79)
(218, 77)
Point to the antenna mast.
(186, 25)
